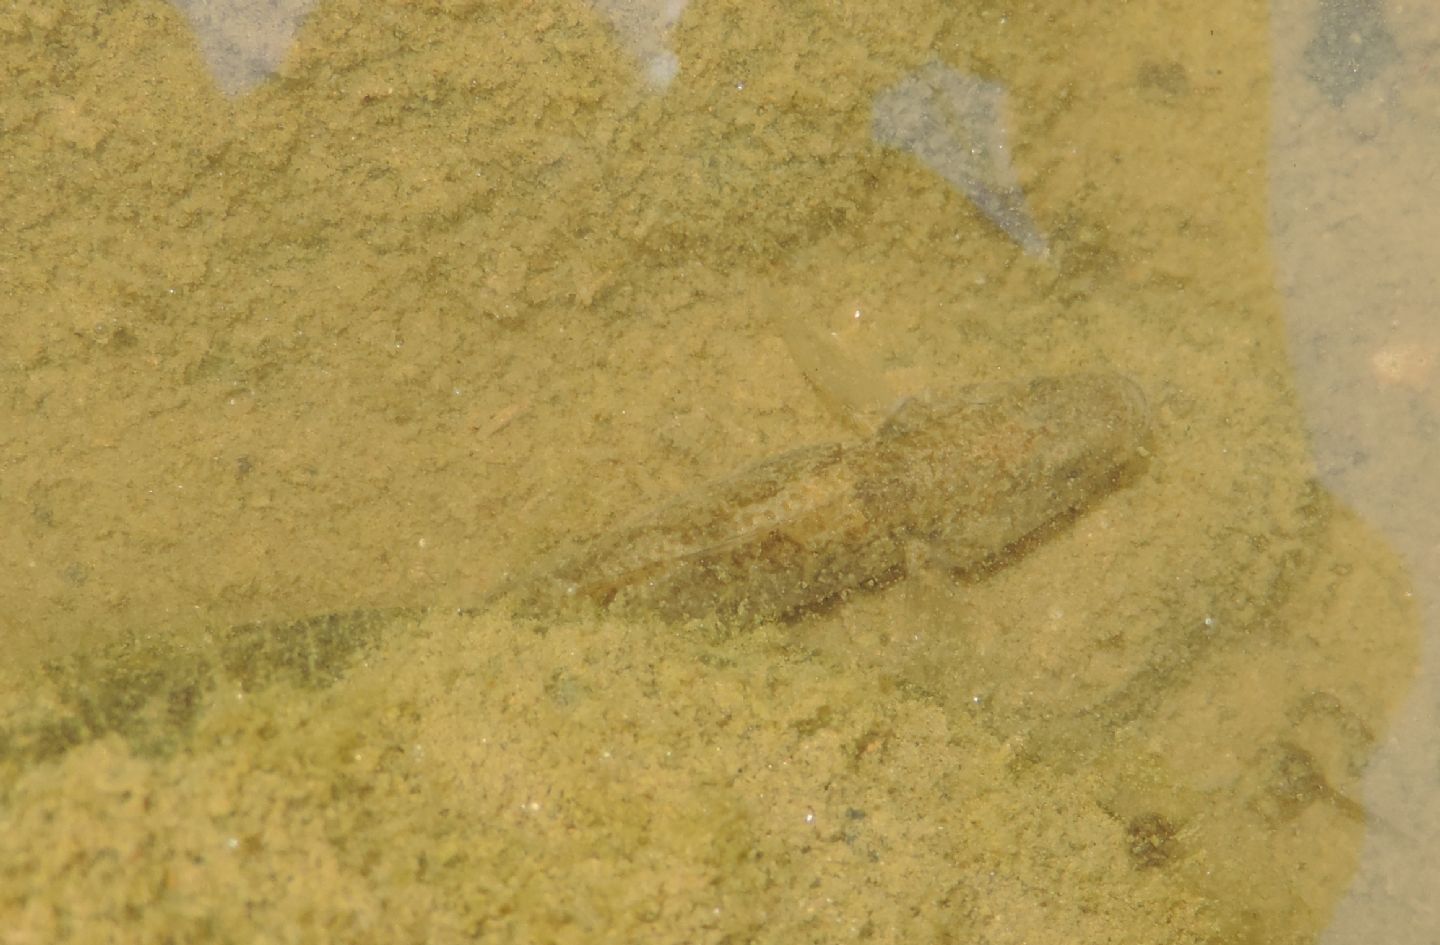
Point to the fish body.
(961, 479)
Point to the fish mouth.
(1137, 406)
(1098, 424)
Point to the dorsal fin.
(854, 391)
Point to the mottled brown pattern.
(956, 480)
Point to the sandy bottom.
(456, 290)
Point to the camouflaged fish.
(954, 481)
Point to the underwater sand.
(458, 289)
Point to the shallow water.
(455, 289)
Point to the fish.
(954, 481)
